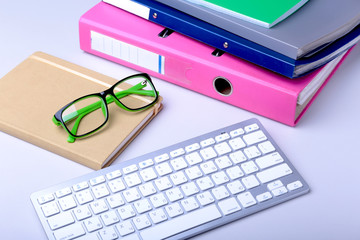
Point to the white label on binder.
(128, 52)
(130, 6)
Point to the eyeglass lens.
(135, 92)
(85, 115)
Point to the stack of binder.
(276, 72)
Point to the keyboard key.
(148, 174)
(237, 157)
(115, 200)
(208, 167)
(237, 132)
(97, 180)
(181, 223)
(60, 220)
(130, 169)
(279, 191)
(69, 232)
(100, 191)
(99, 206)
(192, 147)
(131, 195)
(82, 213)
(177, 152)
(63, 192)
(92, 224)
(223, 162)
(234, 172)
(252, 152)
(161, 158)
(266, 147)
(46, 198)
(205, 198)
(163, 169)
(178, 178)
(246, 199)
(67, 203)
(235, 187)
(109, 218)
(108, 234)
(80, 186)
(158, 200)
(205, 183)
(208, 153)
(116, 185)
(178, 163)
(126, 212)
(125, 228)
(237, 143)
(254, 137)
(189, 189)
(222, 148)
(276, 184)
(174, 194)
(229, 206)
(220, 193)
(131, 237)
(207, 142)
(273, 173)
(222, 137)
(146, 163)
(189, 204)
(90, 236)
(132, 179)
(269, 160)
(263, 197)
(193, 158)
(113, 175)
(84, 197)
(220, 178)
(50, 209)
(147, 189)
(158, 216)
(250, 182)
(174, 210)
(163, 183)
(251, 128)
(294, 185)
(249, 167)
(142, 206)
(193, 172)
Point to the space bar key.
(181, 224)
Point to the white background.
(324, 147)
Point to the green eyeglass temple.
(80, 113)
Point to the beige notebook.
(33, 91)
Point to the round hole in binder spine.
(223, 86)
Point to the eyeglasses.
(133, 93)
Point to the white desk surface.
(324, 147)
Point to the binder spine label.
(127, 52)
(132, 7)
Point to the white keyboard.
(176, 192)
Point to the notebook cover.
(39, 86)
(262, 12)
(316, 24)
(240, 47)
(252, 88)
